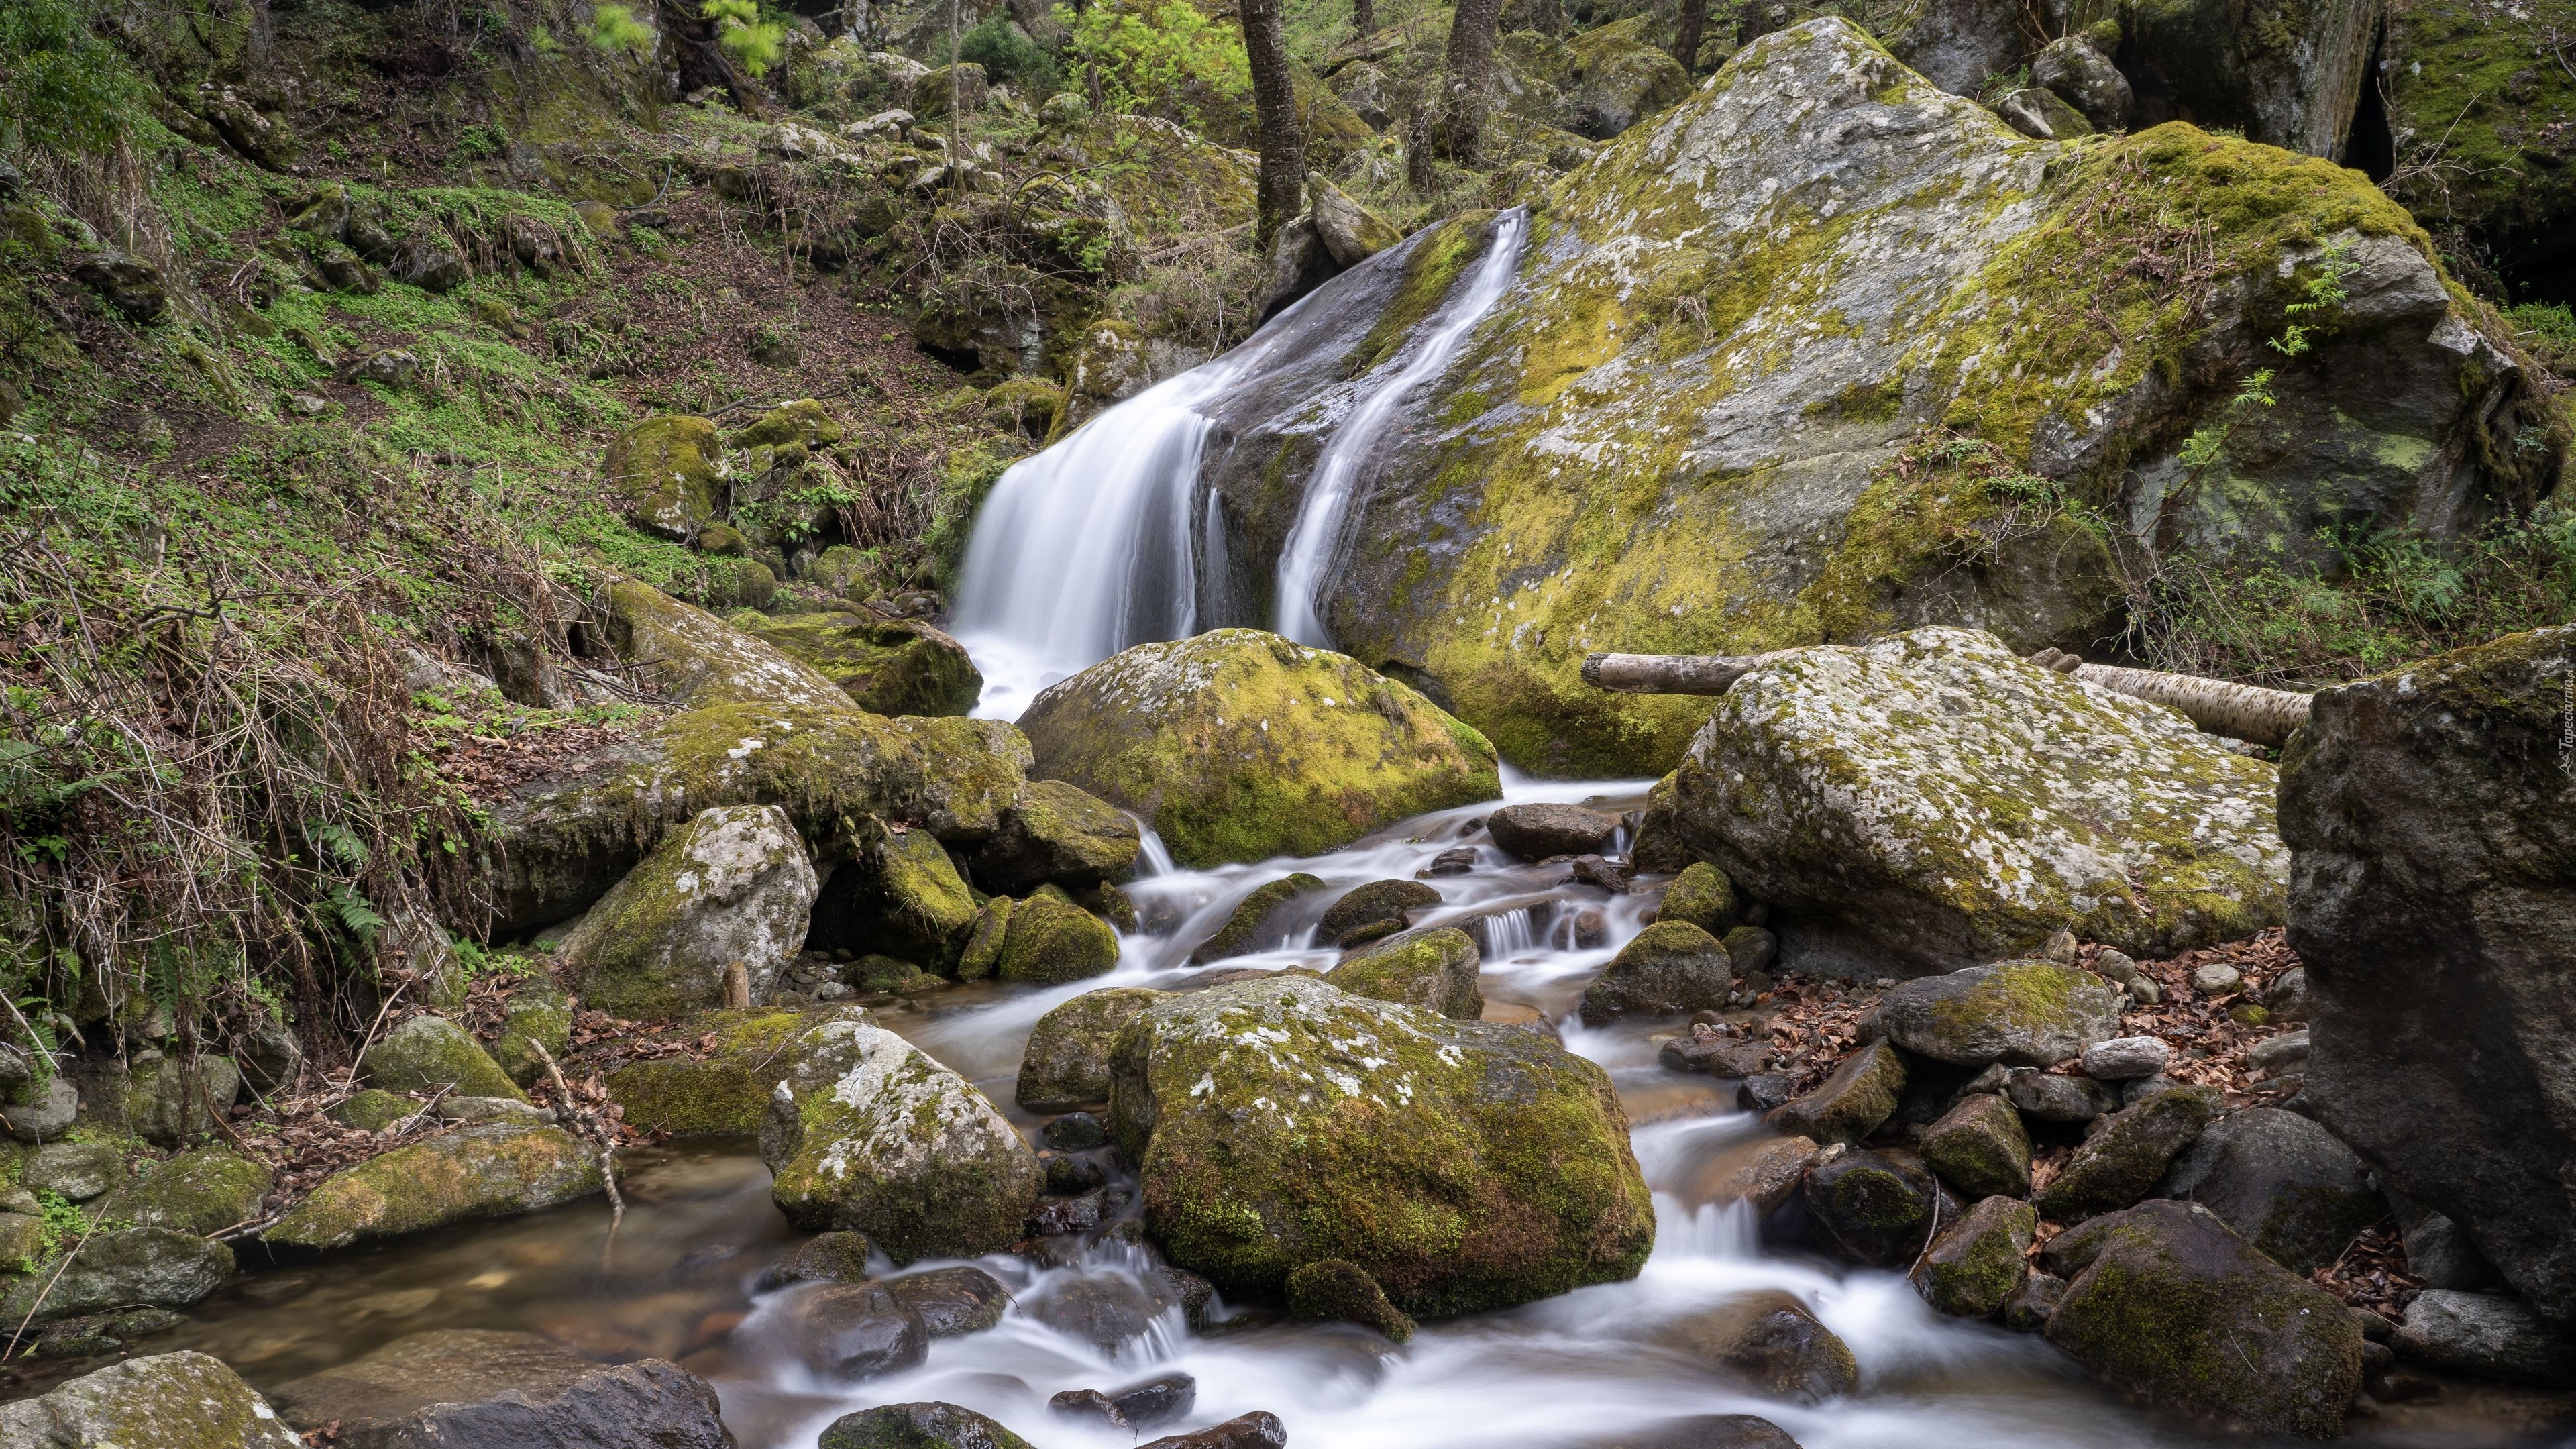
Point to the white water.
(1317, 546)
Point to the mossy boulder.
(2020, 1013)
(1463, 1166)
(155, 1267)
(983, 950)
(901, 896)
(557, 846)
(1775, 1343)
(1980, 1147)
(1377, 906)
(731, 889)
(918, 1426)
(1701, 896)
(74, 1171)
(428, 1053)
(1251, 926)
(2449, 84)
(373, 1109)
(669, 472)
(1434, 969)
(1670, 967)
(1336, 1290)
(1066, 1064)
(2165, 1302)
(1877, 1209)
(495, 1170)
(1978, 1263)
(538, 1015)
(1240, 745)
(2121, 1162)
(867, 1133)
(185, 1400)
(1058, 834)
(1616, 77)
(1930, 801)
(887, 666)
(726, 1091)
(1849, 1104)
(162, 1099)
(804, 421)
(696, 659)
(201, 1192)
(1050, 941)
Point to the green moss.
(428, 1054)
(539, 1014)
(477, 1172)
(201, 1192)
(720, 1094)
(1980, 1147)
(1434, 969)
(1242, 931)
(1050, 940)
(373, 1110)
(1430, 270)
(1701, 896)
(1973, 1266)
(1066, 1065)
(1848, 1106)
(888, 666)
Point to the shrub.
(1161, 57)
(1007, 54)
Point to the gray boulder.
(2050, 1097)
(2433, 900)
(1959, 45)
(1382, 906)
(186, 1400)
(2020, 1013)
(78, 1171)
(1848, 1105)
(2281, 1181)
(1670, 967)
(484, 1389)
(2488, 1335)
(2084, 78)
(731, 889)
(51, 1115)
(1066, 1064)
(1539, 830)
(918, 1426)
(2120, 1163)
(151, 1266)
(2126, 1058)
(1771, 1340)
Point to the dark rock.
(1774, 1342)
(1537, 831)
(482, 1389)
(1764, 1173)
(127, 283)
(1976, 1265)
(1377, 904)
(1751, 950)
(1081, 1214)
(2281, 1055)
(2120, 1164)
(1102, 1309)
(2052, 1098)
(1608, 875)
(2028, 1310)
(1707, 1431)
(1074, 1132)
(2167, 1303)
(1670, 968)
(1156, 1400)
(2288, 998)
(1256, 1430)
(854, 1330)
(1875, 1209)
(2488, 1335)
(952, 1301)
(2438, 1250)
(1068, 1176)
(2433, 902)
(156, 1267)
(1765, 1093)
(2084, 78)
(1460, 860)
(2281, 1181)
(918, 1426)
(1338, 1290)
(1719, 1056)
(1848, 1105)
(1058, 834)
(1249, 929)
(835, 1257)
(2020, 1013)
(1980, 1147)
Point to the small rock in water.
(1380, 907)
(1773, 1340)
(1072, 1176)
(1719, 1056)
(834, 1257)
(1104, 1310)
(1592, 870)
(1764, 1093)
(2123, 1058)
(856, 1330)
(1336, 1289)
(2216, 979)
(1157, 1400)
(1538, 830)
(952, 1301)
(918, 1426)
(1459, 861)
(1706, 1431)
(1257, 1430)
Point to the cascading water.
(1316, 544)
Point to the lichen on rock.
(733, 888)
(1435, 969)
(494, 1170)
(887, 666)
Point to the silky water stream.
(681, 1277)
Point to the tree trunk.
(1363, 18)
(1673, 673)
(1471, 76)
(1274, 101)
(1418, 171)
(1686, 31)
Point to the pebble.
(2125, 1058)
(2216, 979)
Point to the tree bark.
(1673, 673)
(1471, 76)
(1686, 32)
(1274, 101)
(1363, 18)
(1418, 171)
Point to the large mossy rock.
(2020, 1013)
(869, 1134)
(201, 1192)
(2121, 1162)
(1060, 835)
(477, 1388)
(2165, 1302)
(1238, 745)
(1670, 967)
(1436, 970)
(557, 846)
(495, 1170)
(1674, 458)
(1977, 1263)
(1066, 1064)
(725, 1091)
(1049, 941)
(731, 888)
(1615, 77)
(2282, 1182)
(2433, 898)
(121, 1268)
(888, 666)
(697, 659)
(1930, 801)
(428, 1054)
(902, 897)
(2459, 89)
(1463, 1166)
(184, 1400)
(2287, 78)
(669, 472)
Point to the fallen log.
(2237, 711)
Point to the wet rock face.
(482, 1389)
(2433, 899)
(1771, 1340)
(1251, 927)
(2164, 1301)
(733, 887)
(1930, 801)
(2291, 80)
(1377, 905)
(918, 1426)
(181, 1399)
(868, 1133)
(1462, 1166)
(1737, 489)
(1239, 745)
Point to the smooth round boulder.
(2020, 1013)
(952, 1302)
(2125, 1058)
(1670, 968)
(2285, 1184)
(478, 1388)
(834, 1257)
(1250, 928)
(1436, 970)
(429, 1054)
(1775, 1343)
(851, 1331)
(1702, 896)
(1977, 1264)
(1239, 745)
(1066, 1063)
(1378, 903)
(1049, 941)
(1539, 829)
(732, 889)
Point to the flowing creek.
(681, 1277)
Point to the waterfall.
(1316, 545)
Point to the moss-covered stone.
(1980, 1147)
(201, 1192)
(1979, 1262)
(1066, 1064)
(1876, 1209)
(75, 1171)
(2120, 1163)
(731, 889)
(164, 1100)
(887, 666)
(2166, 1303)
(803, 421)
(183, 1400)
(1247, 930)
(725, 1092)
(1848, 1105)
(22, 1242)
(1059, 834)
(1701, 896)
(1337, 1290)
(372, 1109)
(1378, 904)
(1463, 1166)
(867, 1133)
(669, 472)
(1670, 967)
(538, 1015)
(428, 1053)
(902, 896)
(1435, 969)
(840, 1256)
(491, 1171)
(1776, 1344)
(983, 949)
(692, 656)
(2020, 1013)
(918, 1426)
(1050, 941)
(119, 1268)
(2483, 109)
(1615, 77)
(1239, 745)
